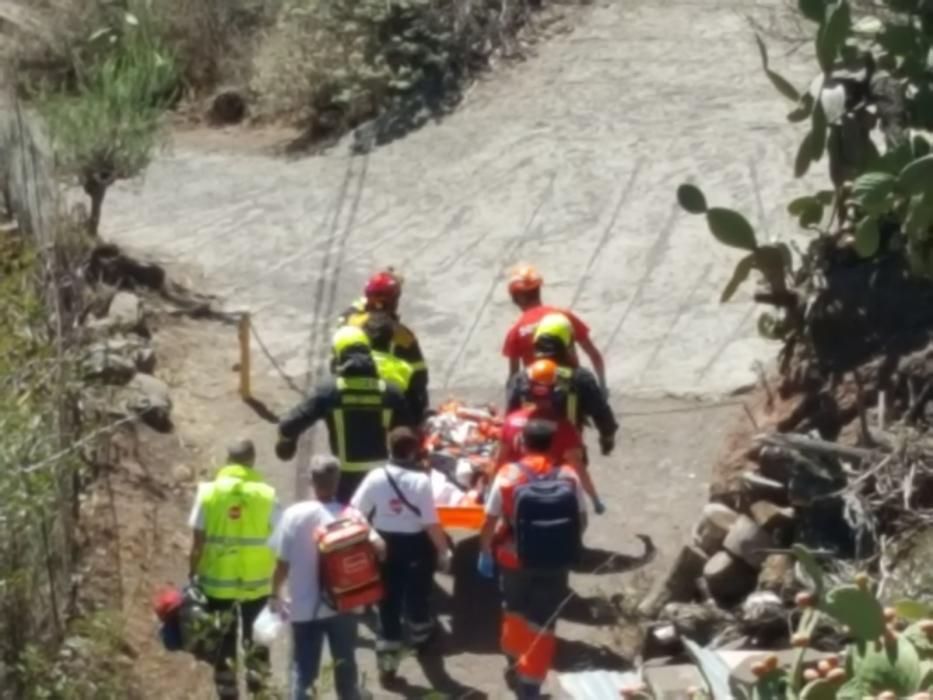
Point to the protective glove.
(285, 449)
(607, 444)
(485, 566)
(598, 506)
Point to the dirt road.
(569, 160)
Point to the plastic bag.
(268, 627)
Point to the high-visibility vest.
(395, 371)
(237, 562)
(359, 395)
(566, 385)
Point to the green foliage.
(874, 666)
(857, 609)
(875, 85)
(337, 63)
(107, 128)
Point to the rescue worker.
(399, 503)
(533, 564)
(231, 562)
(312, 620)
(544, 403)
(582, 397)
(382, 293)
(358, 407)
(379, 328)
(525, 289)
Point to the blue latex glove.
(598, 506)
(485, 566)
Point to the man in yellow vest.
(380, 328)
(232, 519)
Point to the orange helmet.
(542, 378)
(524, 278)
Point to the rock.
(758, 487)
(747, 541)
(728, 579)
(103, 364)
(719, 515)
(182, 473)
(763, 615)
(679, 584)
(772, 517)
(777, 574)
(710, 531)
(697, 621)
(145, 359)
(775, 463)
(227, 107)
(661, 641)
(149, 398)
(126, 313)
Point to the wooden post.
(243, 330)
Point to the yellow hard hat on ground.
(556, 326)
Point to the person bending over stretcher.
(542, 403)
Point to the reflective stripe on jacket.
(361, 404)
(237, 562)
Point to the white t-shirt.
(294, 543)
(196, 518)
(376, 496)
(494, 501)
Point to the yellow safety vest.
(359, 394)
(565, 383)
(395, 371)
(237, 562)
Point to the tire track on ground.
(607, 232)
(507, 260)
(654, 258)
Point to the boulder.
(772, 517)
(710, 531)
(777, 575)
(150, 399)
(758, 487)
(700, 622)
(763, 615)
(748, 542)
(101, 363)
(145, 359)
(728, 579)
(679, 584)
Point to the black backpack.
(547, 525)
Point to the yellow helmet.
(555, 326)
(347, 337)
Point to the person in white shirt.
(311, 618)
(398, 501)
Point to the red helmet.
(384, 288)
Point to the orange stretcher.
(461, 517)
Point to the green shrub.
(107, 128)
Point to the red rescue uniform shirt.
(512, 448)
(520, 340)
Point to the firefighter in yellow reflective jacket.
(379, 328)
(232, 519)
(358, 407)
(382, 294)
